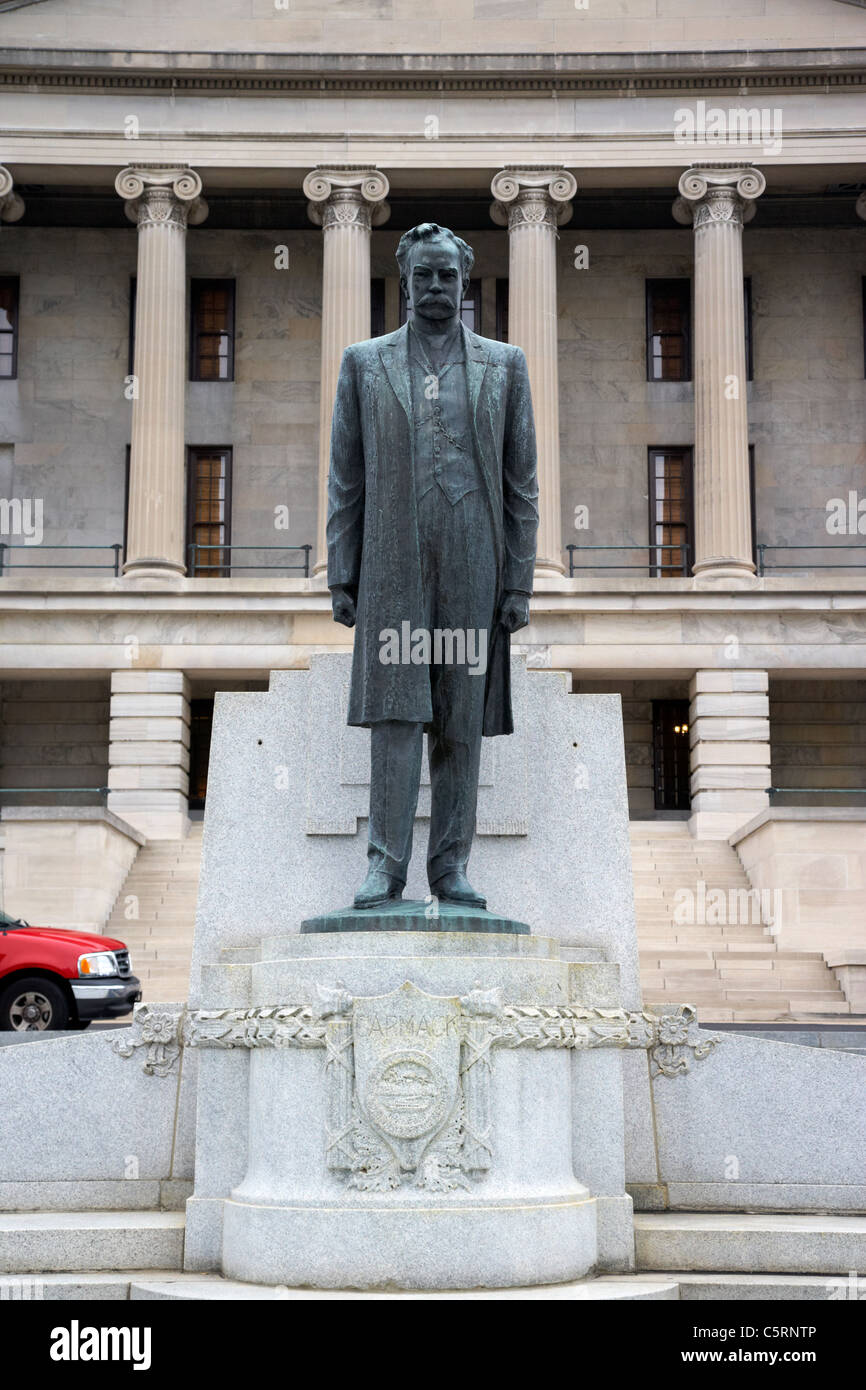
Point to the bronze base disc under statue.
(414, 915)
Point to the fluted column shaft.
(161, 202)
(346, 203)
(717, 201)
(532, 203)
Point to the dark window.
(8, 326)
(502, 310)
(377, 307)
(671, 755)
(668, 310)
(200, 727)
(671, 520)
(209, 511)
(470, 311)
(668, 330)
(212, 332)
(130, 363)
(672, 510)
(471, 308)
(864, 325)
(747, 316)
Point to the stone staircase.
(161, 888)
(711, 949)
(731, 972)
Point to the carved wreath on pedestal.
(408, 1074)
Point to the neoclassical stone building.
(200, 207)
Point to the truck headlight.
(99, 963)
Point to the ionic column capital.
(11, 204)
(724, 193)
(162, 195)
(347, 195)
(528, 196)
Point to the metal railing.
(198, 570)
(763, 566)
(113, 565)
(816, 791)
(657, 566)
(681, 549)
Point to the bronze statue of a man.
(432, 520)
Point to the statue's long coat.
(372, 518)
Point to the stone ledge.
(78, 813)
(797, 813)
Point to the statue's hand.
(514, 611)
(343, 607)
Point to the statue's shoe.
(378, 888)
(456, 888)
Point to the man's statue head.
(434, 271)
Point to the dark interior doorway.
(671, 755)
(200, 725)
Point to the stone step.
(729, 1242)
(161, 888)
(167, 926)
(697, 936)
(734, 956)
(754, 1015)
(743, 998)
(149, 941)
(95, 1240)
(761, 1287)
(166, 953)
(213, 1288)
(752, 1287)
(151, 1285)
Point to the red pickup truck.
(54, 979)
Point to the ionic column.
(717, 202)
(860, 206)
(532, 203)
(161, 201)
(346, 202)
(11, 204)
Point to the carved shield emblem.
(407, 1067)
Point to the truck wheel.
(33, 1004)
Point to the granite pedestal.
(449, 1153)
(394, 1139)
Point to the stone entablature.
(248, 627)
(613, 73)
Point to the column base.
(724, 574)
(153, 569)
(548, 569)
(719, 825)
(156, 815)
